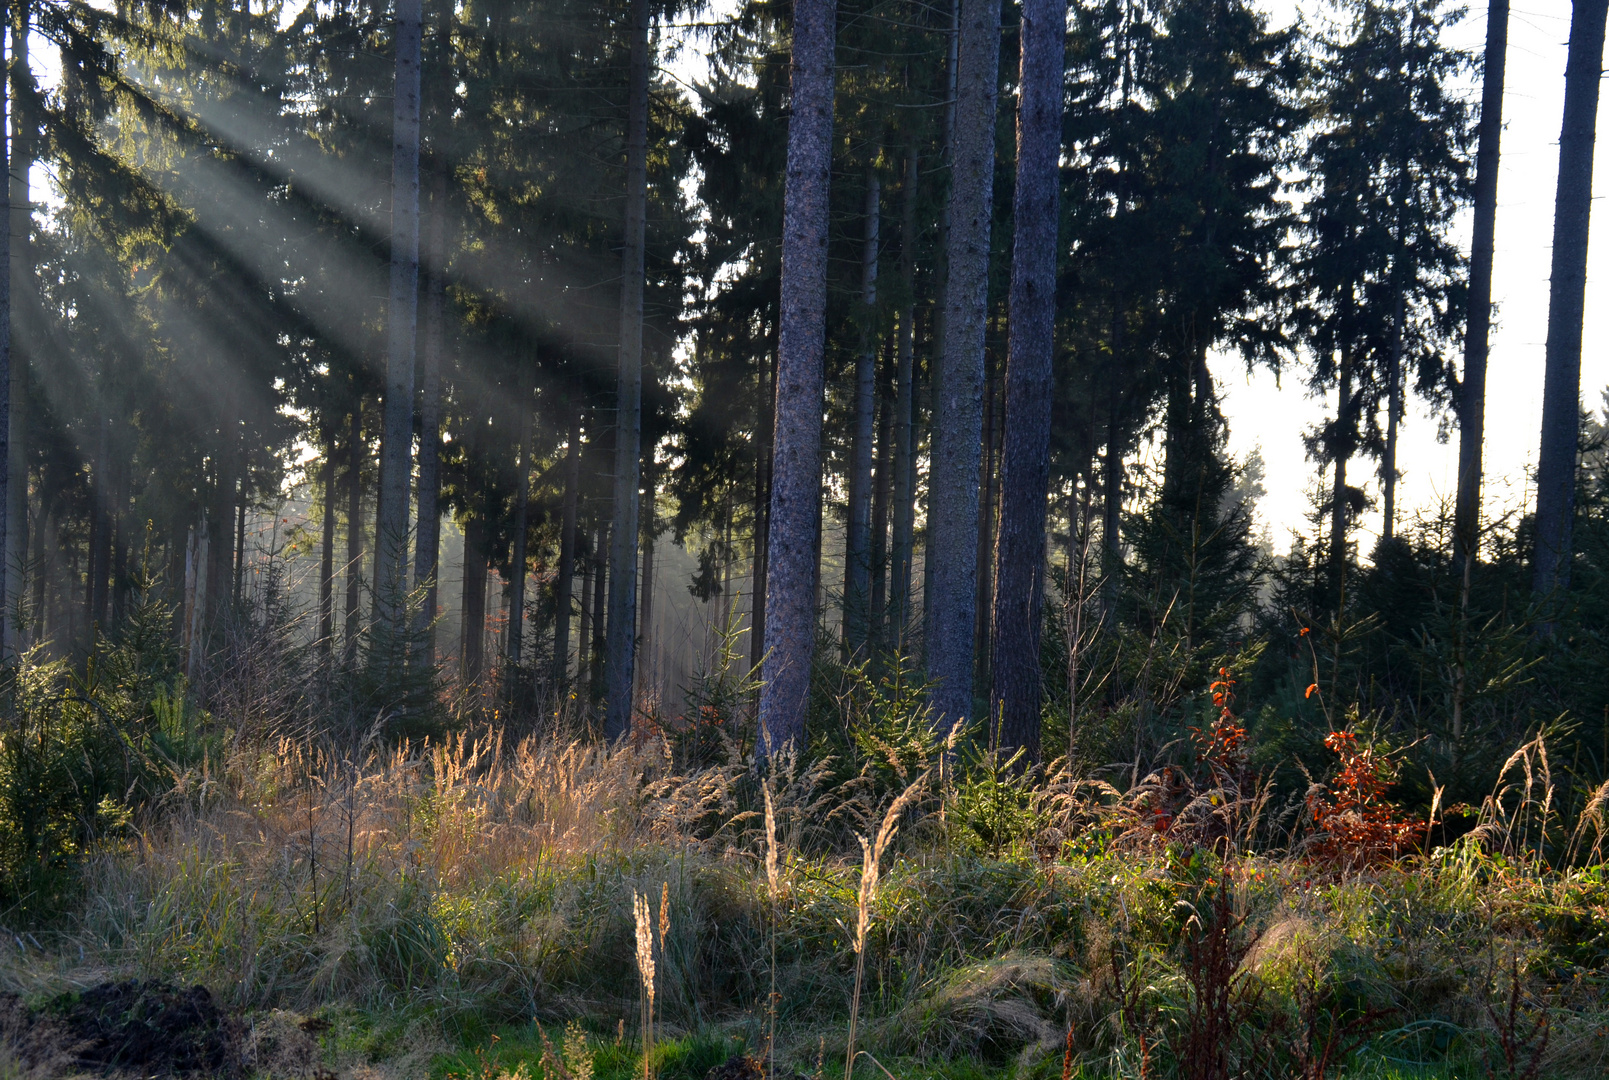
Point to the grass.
(435, 904)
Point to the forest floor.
(463, 912)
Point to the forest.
(701, 541)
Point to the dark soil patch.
(737, 1067)
(144, 1026)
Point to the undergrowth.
(472, 907)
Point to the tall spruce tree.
(795, 511)
(619, 664)
(1019, 554)
(402, 315)
(1561, 388)
(952, 506)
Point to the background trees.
(783, 317)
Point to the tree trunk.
(562, 588)
(326, 561)
(622, 644)
(355, 453)
(474, 598)
(1561, 394)
(988, 503)
(857, 541)
(1112, 511)
(583, 639)
(795, 517)
(515, 642)
(882, 494)
(396, 434)
(1019, 554)
(48, 546)
(14, 375)
(1478, 322)
(100, 531)
(240, 543)
(120, 579)
(899, 588)
(762, 509)
(935, 369)
(600, 620)
(1340, 503)
(953, 497)
(650, 532)
(1388, 467)
(92, 547)
(221, 549)
(427, 531)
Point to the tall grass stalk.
(645, 968)
(773, 884)
(870, 873)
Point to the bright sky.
(1533, 103)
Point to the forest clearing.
(655, 541)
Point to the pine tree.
(396, 439)
(622, 646)
(952, 510)
(1561, 393)
(795, 511)
(1019, 555)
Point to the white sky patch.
(1533, 109)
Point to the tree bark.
(13, 480)
(1340, 503)
(18, 255)
(220, 560)
(473, 607)
(795, 517)
(326, 561)
(762, 509)
(355, 453)
(1561, 393)
(100, 531)
(515, 642)
(622, 644)
(600, 619)
(240, 542)
(583, 639)
(904, 495)
(563, 587)
(645, 608)
(396, 434)
(1388, 467)
(988, 504)
(882, 495)
(953, 494)
(1112, 510)
(1478, 322)
(935, 369)
(1019, 554)
(427, 531)
(857, 541)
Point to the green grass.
(489, 1053)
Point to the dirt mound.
(737, 1067)
(144, 1026)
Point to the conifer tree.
(396, 439)
(795, 511)
(952, 548)
(1019, 554)
(1561, 392)
(622, 635)
(1471, 402)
